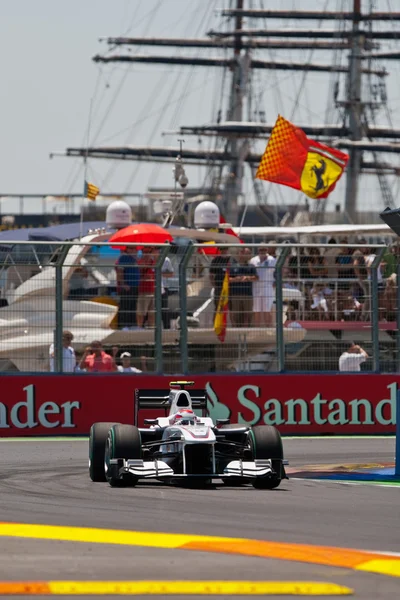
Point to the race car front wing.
(159, 469)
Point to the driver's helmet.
(184, 417)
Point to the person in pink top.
(95, 360)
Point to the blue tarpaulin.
(54, 233)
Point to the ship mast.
(354, 134)
(233, 188)
(354, 111)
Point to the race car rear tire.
(97, 444)
(123, 441)
(266, 442)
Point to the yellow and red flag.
(221, 315)
(91, 191)
(292, 159)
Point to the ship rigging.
(358, 99)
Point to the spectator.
(263, 288)
(330, 255)
(317, 263)
(218, 267)
(320, 294)
(167, 271)
(369, 256)
(126, 366)
(298, 265)
(360, 271)
(369, 259)
(128, 277)
(241, 290)
(68, 354)
(95, 360)
(352, 359)
(147, 288)
(344, 262)
(390, 298)
(390, 260)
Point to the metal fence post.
(280, 341)
(58, 347)
(183, 338)
(375, 309)
(158, 348)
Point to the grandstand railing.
(309, 305)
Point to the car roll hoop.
(159, 399)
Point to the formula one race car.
(184, 446)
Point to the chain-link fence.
(198, 308)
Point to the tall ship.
(332, 72)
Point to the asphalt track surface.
(47, 482)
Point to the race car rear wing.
(159, 400)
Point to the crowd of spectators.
(336, 281)
(332, 283)
(251, 284)
(94, 359)
(135, 270)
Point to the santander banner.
(296, 404)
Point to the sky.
(49, 83)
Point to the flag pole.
(85, 166)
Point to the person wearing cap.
(126, 366)
(68, 354)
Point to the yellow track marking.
(175, 588)
(323, 555)
(387, 566)
(103, 536)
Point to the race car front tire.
(234, 481)
(123, 441)
(266, 442)
(97, 444)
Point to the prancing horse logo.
(319, 171)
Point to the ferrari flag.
(292, 159)
(221, 316)
(91, 191)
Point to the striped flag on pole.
(221, 316)
(91, 191)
